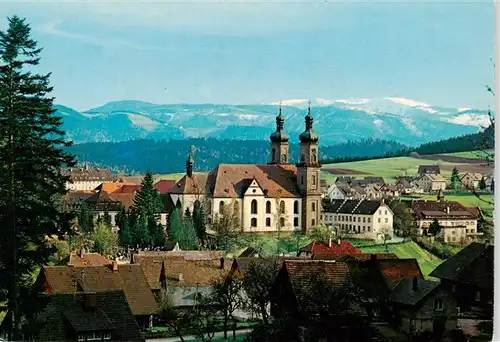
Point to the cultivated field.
(471, 154)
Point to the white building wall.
(82, 185)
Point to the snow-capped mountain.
(392, 118)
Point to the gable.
(254, 189)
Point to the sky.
(237, 52)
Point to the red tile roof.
(393, 270)
(345, 247)
(163, 186)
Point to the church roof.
(232, 180)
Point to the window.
(313, 180)
(379, 220)
(106, 335)
(282, 222)
(359, 219)
(314, 157)
(364, 219)
(254, 206)
(368, 228)
(439, 305)
(268, 222)
(386, 220)
(369, 220)
(296, 222)
(296, 207)
(313, 222)
(221, 207)
(313, 206)
(386, 212)
(268, 207)
(253, 222)
(453, 288)
(477, 297)
(282, 207)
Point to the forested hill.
(470, 142)
(162, 156)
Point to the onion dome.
(309, 135)
(279, 135)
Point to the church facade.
(263, 197)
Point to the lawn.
(427, 261)
(267, 244)
(388, 168)
(472, 154)
(169, 176)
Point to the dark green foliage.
(178, 204)
(455, 179)
(105, 241)
(187, 213)
(199, 221)
(174, 224)
(147, 197)
(492, 187)
(471, 142)
(121, 217)
(159, 237)
(434, 228)
(482, 184)
(85, 219)
(140, 231)
(167, 156)
(186, 236)
(106, 218)
(31, 155)
(124, 235)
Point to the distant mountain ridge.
(336, 121)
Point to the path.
(187, 338)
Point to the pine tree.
(175, 225)
(124, 234)
(187, 235)
(159, 236)
(492, 187)
(106, 218)
(200, 222)
(455, 179)
(121, 217)
(32, 155)
(482, 184)
(140, 231)
(434, 228)
(148, 198)
(85, 219)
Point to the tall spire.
(189, 166)
(279, 135)
(309, 135)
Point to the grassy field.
(387, 167)
(427, 261)
(470, 154)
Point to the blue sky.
(261, 52)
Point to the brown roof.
(393, 270)
(232, 180)
(74, 197)
(129, 278)
(87, 259)
(332, 271)
(191, 185)
(114, 187)
(88, 174)
(100, 197)
(195, 272)
(163, 186)
(358, 256)
(126, 199)
(436, 209)
(475, 175)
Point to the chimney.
(115, 266)
(181, 277)
(222, 263)
(415, 283)
(330, 243)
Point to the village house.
(127, 278)
(83, 259)
(470, 180)
(337, 247)
(86, 316)
(407, 186)
(430, 182)
(428, 169)
(86, 178)
(359, 218)
(265, 198)
(468, 275)
(422, 305)
(458, 224)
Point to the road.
(187, 338)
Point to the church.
(269, 197)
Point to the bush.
(438, 249)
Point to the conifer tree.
(140, 231)
(124, 235)
(174, 225)
(187, 238)
(31, 155)
(106, 218)
(159, 236)
(482, 184)
(178, 204)
(187, 213)
(148, 198)
(121, 217)
(200, 222)
(455, 179)
(85, 219)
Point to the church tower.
(308, 175)
(189, 166)
(279, 142)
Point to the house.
(430, 182)
(407, 186)
(373, 191)
(183, 274)
(423, 306)
(389, 190)
(264, 197)
(86, 316)
(338, 247)
(359, 218)
(367, 181)
(470, 180)
(86, 178)
(353, 256)
(127, 278)
(458, 224)
(428, 169)
(469, 276)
